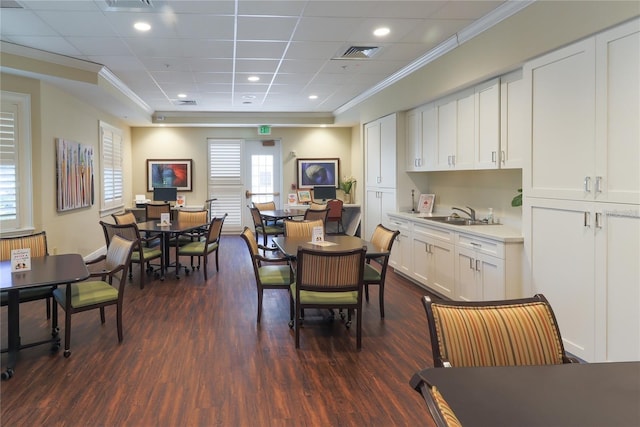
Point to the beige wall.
(55, 114)
(191, 143)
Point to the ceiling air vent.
(10, 4)
(128, 5)
(359, 52)
(184, 102)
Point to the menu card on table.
(20, 259)
(165, 219)
(317, 238)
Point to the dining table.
(281, 214)
(165, 231)
(573, 394)
(288, 245)
(49, 270)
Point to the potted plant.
(346, 186)
(517, 200)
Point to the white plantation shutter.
(225, 181)
(112, 170)
(15, 163)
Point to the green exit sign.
(264, 130)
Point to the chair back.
(193, 217)
(154, 210)
(317, 206)
(250, 238)
(301, 228)
(494, 333)
(257, 218)
(127, 231)
(265, 206)
(124, 218)
(330, 271)
(441, 412)
(383, 237)
(215, 229)
(36, 242)
(335, 209)
(118, 258)
(313, 214)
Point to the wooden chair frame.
(383, 237)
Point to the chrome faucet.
(471, 213)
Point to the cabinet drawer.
(485, 246)
(399, 224)
(434, 232)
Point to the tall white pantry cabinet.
(581, 213)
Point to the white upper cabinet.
(380, 150)
(513, 120)
(585, 104)
(487, 132)
(414, 160)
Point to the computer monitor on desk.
(324, 193)
(165, 194)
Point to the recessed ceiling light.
(313, 96)
(142, 26)
(253, 78)
(182, 95)
(382, 31)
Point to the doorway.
(263, 175)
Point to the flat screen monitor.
(324, 193)
(165, 194)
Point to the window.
(16, 203)
(112, 170)
(225, 181)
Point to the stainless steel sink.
(454, 220)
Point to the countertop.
(499, 232)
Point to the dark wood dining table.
(581, 395)
(289, 245)
(281, 214)
(165, 232)
(50, 270)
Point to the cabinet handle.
(598, 219)
(476, 244)
(378, 179)
(477, 267)
(502, 157)
(470, 263)
(453, 160)
(493, 156)
(598, 184)
(587, 184)
(586, 219)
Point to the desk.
(594, 394)
(165, 232)
(289, 245)
(49, 270)
(280, 214)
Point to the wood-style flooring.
(193, 355)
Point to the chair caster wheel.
(67, 353)
(7, 374)
(55, 332)
(55, 348)
(348, 324)
(291, 324)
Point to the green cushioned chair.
(494, 333)
(328, 279)
(142, 254)
(202, 248)
(270, 272)
(262, 228)
(109, 290)
(383, 238)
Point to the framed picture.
(425, 205)
(318, 172)
(304, 196)
(169, 173)
(74, 175)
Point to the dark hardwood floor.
(193, 355)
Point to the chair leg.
(260, 304)
(119, 322)
(297, 325)
(217, 268)
(47, 303)
(366, 292)
(206, 256)
(381, 298)
(102, 318)
(67, 332)
(359, 329)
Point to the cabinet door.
(491, 277)
(414, 160)
(617, 174)
(373, 212)
(562, 150)
(561, 250)
(513, 121)
(420, 255)
(430, 137)
(372, 153)
(447, 130)
(487, 133)
(466, 286)
(465, 130)
(617, 262)
(388, 140)
(440, 267)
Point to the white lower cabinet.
(478, 276)
(400, 258)
(433, 255)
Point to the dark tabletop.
(175, 226)
(282, 213)
(47, 270)
(594, 394)
(289, 245)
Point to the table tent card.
(20, 259)
(165, 219)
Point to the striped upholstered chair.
(301, 228)
(441, 412)
(494, 333)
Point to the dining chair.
(154, 210)
(193, 217)
(302, 228)
(494, 333)
(38, 244)
(270, 272)
(202, 248)
(313, 214)
(208, 206)
(328, 279)
(142, 253)
(261, 228)
(267, 206)
(107, 290)
(335, 207)
(124, 218)
(317, 206)
(383, 238)
(440, 411)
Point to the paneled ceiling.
(198, 56)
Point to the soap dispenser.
(490, 216)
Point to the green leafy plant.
(517, 200)
(347, 184)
